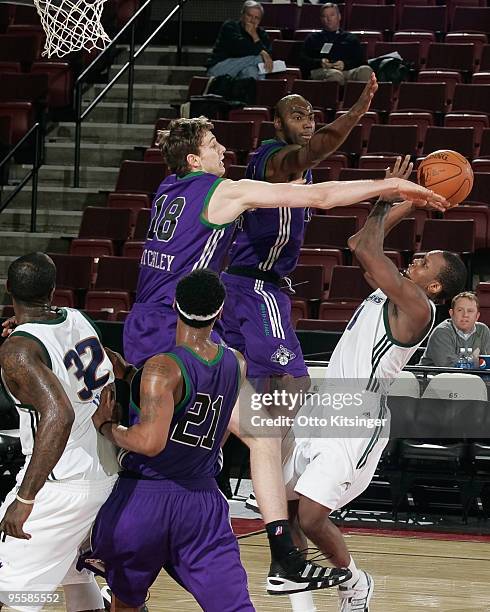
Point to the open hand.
(420, 196)
(401, 169)
(338, 65)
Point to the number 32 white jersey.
(77, 358)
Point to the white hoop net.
(72, 25)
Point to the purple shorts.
(147, 525)
(149, 330)
(257, 322)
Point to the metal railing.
(129, 65)
(37, 133)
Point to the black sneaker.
(308, 577)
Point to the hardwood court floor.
(411, 574)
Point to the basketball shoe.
(297, 574)
(357, 597)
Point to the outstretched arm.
(160, 390)
(294, 159)
(232, 198)
(29, 378)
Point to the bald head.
(294, 120)
(292, 103)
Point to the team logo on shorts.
(283, 356)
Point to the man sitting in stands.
(333, 54)
(242, 45)
(462, 330)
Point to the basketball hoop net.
(72, 25)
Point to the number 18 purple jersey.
(271, 238)
(180, 239)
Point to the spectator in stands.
(333, 54)
(462, 330)
(242, 45)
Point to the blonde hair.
(183, 137)
(469, 295)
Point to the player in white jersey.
(327, 468)
(55, 370)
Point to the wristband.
(29, 502)
(99, 429)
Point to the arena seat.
(282, 16)
(117, 273)
(196, 87)
(353, 145)
(348, 283)
(321, 94)
(238, 136)
(330, 231)
(451, 385)
(429, 97)
(423, 38)
(327, 258)
(450, 77)
(140, 177)
(409, 51)
(471, 19)
(381, 102)
(133, 249)
(431, 18)
(476, 121)
(270, 91)
(153, 154)
(339, 310)
(402, 237)
(442, 234)
(101, 222)
(470, 98)
(112, 301)
(481, 188)
(60, 82)
(287, 50)
(308, 281)
(460, 139)
(332, 325)
(381, 18)
(452, 56)
(420, 119)
(299, 310)
(93, 247)
(481, 217)
(360, 210)
(393, 139)
(376, 162)
(142, 224)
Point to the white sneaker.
(356, 598)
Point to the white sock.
(302, 602)
(355, 575)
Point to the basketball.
(447, 173)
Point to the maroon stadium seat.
(348, 283)
(389, 139)
(330, 231)
(460, 139)
(140, 177)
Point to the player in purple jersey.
(166, 511)
(190, 229)
(256, 317)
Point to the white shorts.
(332, 471)
(59, 522)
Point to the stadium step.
(143, 112)
(142, 92)
(167, 55)
(115, 133)
(90, 176)
(62, 221)
(171, 75)
(57, 198)
(26, 242)
(102, 154)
